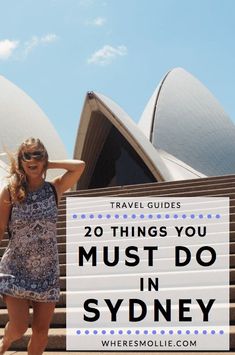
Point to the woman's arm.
(67, 180)
(5, 209)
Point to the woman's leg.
(42, 315)
(18, 313)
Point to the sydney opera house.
(183, 146)
(183, 133)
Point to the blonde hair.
(17, 178)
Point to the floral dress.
(29, 267)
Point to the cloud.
(106, 54)
(51, 37)
(6, 48)
(36, 41)
(29, 45)
(98, 22)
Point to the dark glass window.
(119, 164)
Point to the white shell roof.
(22, 118)
(185, 120)
(162, 165)
(178, 169)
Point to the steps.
(214, 186)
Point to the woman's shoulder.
(5, 189)
(53, 188)
(5, 194)
(50, 184)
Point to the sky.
(57, 50)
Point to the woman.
(29, 269)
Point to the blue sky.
(57, 50)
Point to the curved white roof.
(92, 131)
(179, 170)
(146, 120)
(185, 120)
(21, 118)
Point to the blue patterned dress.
(31, 262)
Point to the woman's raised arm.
(67, 180)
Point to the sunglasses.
(37, 155)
